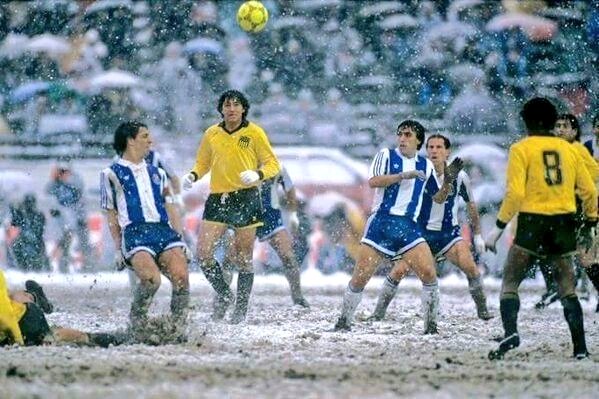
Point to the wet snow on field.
(282, 351)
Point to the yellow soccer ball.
(252, 16)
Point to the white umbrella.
(115, 79)
(103, 5)
(398, 21)
(203, 45)
(50, 44)
(536, 28)
(289, 22)
(382, 8)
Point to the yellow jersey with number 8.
(542, 175)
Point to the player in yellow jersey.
(542, 175)
(22, 321)
(568, 128)
(238, 156)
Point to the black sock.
(509, 308)
(214, 275)
(593, 273)
(245, 281)
(573, 315)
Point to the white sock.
(351, 300)
(430, 302)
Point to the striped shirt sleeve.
(107, 200)
(380, 164)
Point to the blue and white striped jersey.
(443, 217)
(404, 198)
(136, 191)
(269, 189)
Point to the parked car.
(316, 170)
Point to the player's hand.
(119, 261)
(187, 181)
(413, 174)
(293, 221)
(249, 177)
(479, 244)
(492, 238)
(587, 234)
(453, 169)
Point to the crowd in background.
(320, 68)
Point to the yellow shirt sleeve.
(586, 190)
(516, 185)
(269, 164)
(9, 323)
(588, 161)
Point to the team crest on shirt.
(155, 178)
(244, 142)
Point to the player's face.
(407, 141)
(142, 142)
(232, 110)
(436, 151)
(596, 129)
(564, 129)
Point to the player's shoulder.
(254, 128)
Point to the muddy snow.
(283, 351)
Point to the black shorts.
(242, 208)
(547, 235)
(34, 326)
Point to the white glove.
(479, 244)
(187, 181)
(119, 261)
(492, 238)
(293, 221)
(249, 177)
(413, 174)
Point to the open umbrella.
(289, 22)
(28, 90)
(203, 45)
(382, 8)
(398, 21)
(106, 5)
(50, 44)
(536, 28)
(450, 30)
(114, 79)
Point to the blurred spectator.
(29, 248)
(69, 214)
(179, 89)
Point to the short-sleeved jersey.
(542, 174)
(225, 155)
(589, 162)
(443, 217)
(403, 198)
(269, 187)
(136, 191)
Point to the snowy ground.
(284, 352)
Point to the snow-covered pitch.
(284, 352)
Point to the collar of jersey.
(398, 152)
(244, 123)
(134, 166)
